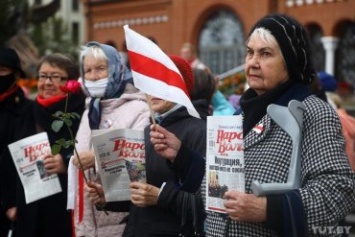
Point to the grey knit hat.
(294, 44)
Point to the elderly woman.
(113, 102)
(278, 68)
(149, 216)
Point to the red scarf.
(9, 92)
(49, 101)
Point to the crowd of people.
(278, 69)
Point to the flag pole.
(151, 110)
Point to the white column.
(330, 44)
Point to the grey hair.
(94, 50)
(267, 37)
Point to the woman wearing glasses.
(48, 216)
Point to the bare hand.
(165, 143)
(245, 207)
(95, 193)
(87, 159)
(11, 213)
(143, 194)
(54, 164)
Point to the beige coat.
(128, 111)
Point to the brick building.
(219, 27)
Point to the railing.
(295, 3)
(232, 81)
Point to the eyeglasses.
(52, 78)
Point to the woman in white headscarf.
(113, 102)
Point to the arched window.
(221, 42)
(317, 49)
(345, 54)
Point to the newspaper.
(27, 155)
(120, 156)
(225, 159)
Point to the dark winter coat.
(48, 216)
(160, 220)
(327, 187)
(16, 122)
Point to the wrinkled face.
(50, 78)
(160, 106)
(265, 67)
(95, 69)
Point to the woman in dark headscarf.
(278, 69)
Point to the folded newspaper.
(120, 157)
(27, 155)
(224, 159)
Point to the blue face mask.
(6, 82)
(96, 88)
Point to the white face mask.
(97, 88)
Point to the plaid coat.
(327, 190)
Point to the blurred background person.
(189, 53)
(16, 116)
(203, 91)
(348, 125)
(328, 86)
(220, 105)
(234, 100)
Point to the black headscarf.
(294, 44)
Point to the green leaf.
(67, 144)
(58, 113)
(61, 142)
(75, 115)
(68, 122)
(56, 149)
(66, 116)
(57, 125)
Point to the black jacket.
(159, 220)
(16, 122)
(48, 216)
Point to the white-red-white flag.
(154, 72)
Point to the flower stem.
(66, 103)
(102, 206)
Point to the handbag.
(192, 210)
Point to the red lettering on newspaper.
(129, 149)
(38, 150)
(222, 135)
